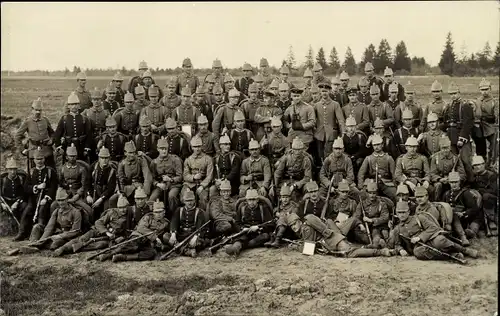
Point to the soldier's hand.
(162, 186)
(253, 228)
(403, 253)
(264, 141)
(414, 240)
(73, 199)
(460, 144)
(367, 219)
(332, 190)
(224, 131)
(420, 137)
(158, 242)
(426, 184)
(443, 180)
(173, 240)
(411, 185)
(43, 202)
(193, 241)
(99, 144)
(90, 200)
(262, 191)
(110, 235)
(199, 190)
(41, 186)
(24, 152)
(14, 205)
(166, 178)
(361, 227)
(197, 176)
(98, 202)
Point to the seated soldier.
(140, 208)
(255, 217)
(389, 145)
(441, 164)
(239, 135)
(485, 182)
(113, 140)
(286, 214)
(166, 171)
(210, 144)
(111, 228)
(355, 143)
(227, 167)
(222, 210)
(156, 225)
(65, 224)
(255, 171)
(373, 211)
(313, 202)
(294, 170)
(103, 184)
(430, 140)
(12, 184)
(178, 142)
(402, 134)
(275, 144)
(412, 168)
(198, 173)
(414, 232)
(146, 141)
(185, 221)
(402, 193)
(379, 165)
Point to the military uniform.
(111, 106)
(330, 123)
(488, 108)
(383, 166)
(97, 118)
(227, 166)
(178, 145)
(103, 187)
(262, 118)
(415, 109)
(132, 174)
(184, 80)
(413, 168)
(147, 144)
(222, 213)
(202, 164)
(466, 211)
(249, 109)
(243, 84)
(306, 119)
(441, 164)
(361, 115)
(156, 114)
(401, 136)
(170, 102)
(75, 129)
(364, 97)
(486, 184)
(115, 143)
(224, 118)
(127, 121)
(378, 212)
(293, 170)
(275, 147)
(260, 169)
(240, 140)
(84, 97)
(385, 92)
(12, 189)
(171, 165)
(355, 148)
(186, 115)
(380, 110)
(430, 142)
(205, 109)
(339, 168)
(185, 221)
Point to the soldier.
(363, 95)
(39, 134)
(250, 106)
(437, 106)
(210, 143)
(430, 139)
(274, 86)
(217, 75)
(416, 231)
(245, 81)
(65, 224)
(372, 79)
(459, 119)
(284, 77)
(402, 134)
(412, 168)
(378, 109)
(154, 111)
(187, 78)
(146, 141)
(393, 102)
(133, 172)
(120, 94)
(253, 216)
(222, 210)
(316, 95)
(41, 187)
(186, 220)
(441, 164)
(308, 78)
(388, 144)
(127, 120)
(402, 193)
(374, 212)
(112, 140)
(274, 146)
(294, 170)
(265, 112)
(379, 166)
(338, 95)
(389, 80)
(287, 218)
(178, 142)
(284, 100)
(264, 70)
(109, 101)
(225, 114)
(344, 82)
(171, 100)
(442, 219)
(97, 116)
(147, 79)
(137, 80)
(166, 171)
(103, 179)
(336, 167)
(140, 208)
(255, 171)
(186, 115)
(330, 123)
(12, 184)
(82, 94)
(259, 82)
(358, 110)
(239, 135)
(111, 228)
(74, 128)
(485, 182)
(355, 143)
(210, 84)
(227, 167)
(318, 75)
(143, 248)
(205, 109)
(414, 107)
(140, 98)
(198, 172)
(312, 203)
(301, 120)
(489, 123)
(218, 99)
(228, 86)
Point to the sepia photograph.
(249, 158)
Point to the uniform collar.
(255, 159)
(71, 166)
(80, 89)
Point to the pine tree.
(333, 61)
(349, 62)
(290, 59)
(497, 56)
(462, 58)
(368, 56)
(484, 57)
(383, 57)
(448, 59)
(309, 58)
(321, 59)
(401, 59)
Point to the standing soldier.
(178, 142)
(198, 173)
(330, 123)
(97, 116)
(117, 83)
(378, 109)
(358, 110)
(186, 115)
(437, 106)
(166, 171)
(263, 114)
(39, 134)
(486, 183)
(372, 79)
(259, 82)
(137, 80)
(363, 94)
(441, 164)
(245, 81)
(412, 168)
(239, 135)
(154, 111)
(392, 103)
(146, 140)
(294, 170)
(459, 119)
(187, 78)
(228, 86)
(222, 210)
(148, 81)
(225, 114)
(82, 94)
(264, 70)
(140, 98)
(109, 102)
(355, 144)
(127, 120)
(171, 100)
(103, 180)
(406, 130)
(112, 140)
(275, 144)
(338, 95)
(284, 100)
(250, 106)
(12, 184)
(255, 171)
(300, 119)
(217, 75)
(489, 123)
(379, 167)
(218, 99)
(227, 167)
(210, 143)
(308, 83)
(344, 82)
(389, 78)
(416, 109)
(318, 75)
(284, 77)
(74, 128)
(199, 101)
(429, 140)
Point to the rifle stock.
(38, 201)
(184, 242)
(365, 223)
(118, 245)
(435, 250)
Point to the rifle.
(488, 230)
(38, 201)
(323, 211)
(227, 239)
(118, 245)
(184, 242)
(394, 140)
(88, 242)
(365, 223)
(41, 241)
(436, 250)
(9, 210)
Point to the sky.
(52, 36)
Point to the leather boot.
(234, 249)
(119, 257)
(465, 242)
(258, 241)
(77, 246)
(104, 257)
(277, 241)
(470, 252)
(386, 252)
(472, 230)
(271, 241)
(36, 232)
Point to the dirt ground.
(259, 282)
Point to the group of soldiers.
(356, 169)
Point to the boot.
(190, 252)
(470, 252)
(62, 250)
(234, 249)
(104, 257)
(77, 246)
(458, 255)
(36, 232)
(21, 235)
(384, 252)
(119, 257)
(472, 230)
(258, 241)
(270, 242)
(465, 242)
(277, 241)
